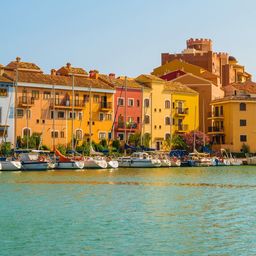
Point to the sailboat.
(64, 162)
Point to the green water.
(175, 211)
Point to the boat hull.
(35, 166)
(69, 165)
(95, 164)
(113, 164)
(10, 165)
(141, 163)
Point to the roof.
(189, 78)
(5, 80)
(186, 67)
(120, 82)
(234, 98)
(23, 65)
(68, 69)
(179, 88)
(247, 86)
(40, 78)
(145, 78)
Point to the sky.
(120, 36)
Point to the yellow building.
(59, 105)
(168, 108)
(233, 119)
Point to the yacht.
(9, 165)
(95, 163)
(139, 160)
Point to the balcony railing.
(68, 104)
(26, 101)
(215, 129)
(181, 111)
(215, 115)
(106, 105)
(130, 126)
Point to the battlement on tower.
(200, 44)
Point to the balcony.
(120, 126)
(181, 128)
(181, 111)
(25, 101)
(105, 106)
(215, 130)
(67, 104)
(215, 115)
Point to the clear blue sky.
(121, 36)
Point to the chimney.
(68, 65)
(53, 72)
(18, 59)
(94, 74)
(112, 75)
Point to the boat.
(251, 160)
(10, 165)
(112, 163)
(163, 157)
(139, 160)
(35, 160)
(64, 162)
(95, 163)
(230, 158)
(175, 162)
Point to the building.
(7, 97)
(127, 106)
(233, 119)
(46, 104)
(168, 108)
(199, 52)
(196, 78)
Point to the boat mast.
(194, 135)
(125, 110)
(203, 124)
(90, 119)
(53, 107)
(28, 134)
(15, 106)
(73, 98)
(142, 116)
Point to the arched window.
(79, 134)
(242, 106)
(26, 132)
(167, 120)
(146, 119)
(146, 103)
(167, 136)
(167, 104)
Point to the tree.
(199, 138)
(134, 139)
(178, 142)
(146, 139)
(5, 149)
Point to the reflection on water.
(176, 211)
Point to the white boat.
(112, 164)
(139, 160)
(175, 162)
(251, 160)
(95, 163)
(8, 165)
(34, 162)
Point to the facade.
(46, 104)
(168, 108)
(199, 52)
(127, 106)
(7, 97)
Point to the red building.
(127, 106)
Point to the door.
(158, 145)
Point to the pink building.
(127, 106)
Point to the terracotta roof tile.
(22, 65)
(5, 80)
(68, 69)
(179, 87)
(247, 86)
(39, 78)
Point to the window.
(167, 136)
(130, 102)
(26, 132)
(138, 103)
(221, 110)
(3, 92)
(243, 138)
(52, 114)
(242, 107)
(160, 110)
(102, 135)
(54, 134)
(35, 95)
(138, 119)
(120, 101)
(86, 98)
(96, 98)
(146, 119)
(155, 109)
(37, 121)
(160, 127)
(155, 126)
(167, 120)
(242, 122)
(0, 115)
(79, 134)
(28, 113)
(109, 117)
(57, 98)
(71, 116)
(47, 95)
(167, 104)
(62, 134)
(80, 115)
(101, 116)
(20, 112)
(146, 103)
(130, 119)
(120, 136)
(61, 114)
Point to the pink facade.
(127, 103)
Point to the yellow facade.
(233, 123)
(168, 108)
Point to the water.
(176, 211)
